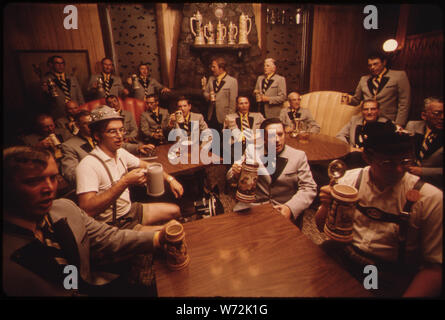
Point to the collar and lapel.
(271, 80)
(216, 88)
(238, 121)
(290, 113)
(59, 84)
(383, 82)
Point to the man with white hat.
(103, 178)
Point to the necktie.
(65, 89)
(90, 141)
(155, 117)
(245, 128)
(427, 143)
(107, 84)
(265, 84)
(144, 82)
(51, 242)
(376, 83)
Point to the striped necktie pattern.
(65, 89)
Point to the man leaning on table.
(294, 111)
(103, 178)
(397, 222)
(289, 184)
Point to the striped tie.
(65, 89)
(107, 85)
(376, 83)
(265, 85)
(145, 85)
(245, 127)
(50, 241)
(427, 143)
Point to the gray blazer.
(432, 163)
(225, 97)
(305, 116)
(348, 134)
(233, 122)
(116, 86)
(58, 103)
(394, 95)
(34, 138)
(92, 241)
(73, 150)
(131, 128)
(198, 118)
(276, 92)
(291, 185)
(154, 87)
(149, 125)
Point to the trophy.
(52, 88)
(199, 32)
(221, 32)
(243, 30)
(135, 82)
(208, 29)
(340, 212)
(233, 32)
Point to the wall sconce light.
(390, 45)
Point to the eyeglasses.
(436, 114)
(115, 132)
(395, 163)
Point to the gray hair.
(429, 100)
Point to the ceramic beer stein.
(233, 32)
(209, 33)
(247, 182)
(221, 33)
(244, 31)
(175, 246)
(155, 180)
(197, 28)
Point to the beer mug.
(135, 82)
(232, 33)
(221, 33)
(155, 180)
(54, 139)
(208, 29)
(52, 88)
(247, 182)
(175, 246)
(244, 31)
(100, 84)
(197, 29)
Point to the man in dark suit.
(63, 87)
(272, 89)
(106, 83)
(221, 90)
(286, 180)
(390, 88)
(429, 142)
(42, 235)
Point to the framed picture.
(33, 66)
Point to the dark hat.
(383, 137)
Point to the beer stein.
(233, 32)
(155, 180)
(243, 30)
(208, 29)
(52, 88)
(175, 246)
(247, 182)
(100, 84)
(135, 82)
(203, 83)
(197, 28)
(221, 33)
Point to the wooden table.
(254, 254)
(180, 168)
(321, 147)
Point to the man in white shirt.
(109, 201)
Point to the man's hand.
(283, 210)
(354, 149)
(322, 212)
(176, 188)
(136, 176)
(288, 129)
(415, 170)
(236, 169)
(45, 143)
(145, 148)
(172, 120)
(265, 98)
(164, 90)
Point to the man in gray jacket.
(42, 236)
(429, 142)
(106, 83)
(294, 111)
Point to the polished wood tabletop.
(258, 253)
(179, 168)
(320, 147)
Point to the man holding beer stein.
(397, 221)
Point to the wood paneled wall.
(40, 27)
(338, 48)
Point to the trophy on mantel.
(243, 30)
(197, 28)
(221, 33)
(232, 33)
(209, 33)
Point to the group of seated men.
(100, 160)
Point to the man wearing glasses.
(103, 178)
(397, 221)
(60, 87)
(429, 142)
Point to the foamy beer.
(176, 248)
(247, 182)
(179, 116)
(338, 225)
(155, 180)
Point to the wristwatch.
(170, 179)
